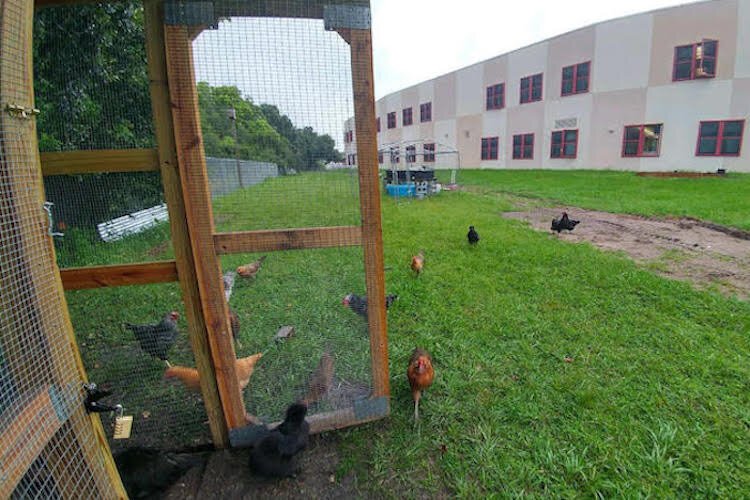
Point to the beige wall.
(690, 24)
(631, 84)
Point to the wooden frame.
(287, 239)
(100, 161)
(79, 278)
(199, 215)
(161, 105)
(43, 288)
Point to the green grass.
(721, 200)
(656, 401)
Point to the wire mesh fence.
(48, 446)
(274, 85)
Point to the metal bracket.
(346, 16)
(48, 208)
(190, 13)
(369, 408)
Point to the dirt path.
(708, 255)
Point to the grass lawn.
(721, 200)
(656, 400)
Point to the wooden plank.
(143, 273)
(161, 108)
(360, 42)
(47, 323)
(309, 9)
(99, 161)
(199, 215)
(26, 435)
(287, 239)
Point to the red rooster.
(420, 374)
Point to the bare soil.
(227, 476)
(708, 255)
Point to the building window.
(380, 157)
(564, 144)
(406, 117)
(429, 151)
(720, 138)
(395, 155)
(496, 96)
(523, 147)
(346, 137)
(377, 123)
(641, 140)
(575, 79)
(411, 154)
(489, 148)
(392, 119)
(697, 60)
(531, 88)
(425, 112)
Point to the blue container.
(401, 189)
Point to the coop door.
(290, 210)
(49, 446)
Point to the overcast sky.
(417, 40)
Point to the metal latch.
(48, 208)
(21, 112)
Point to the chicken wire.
(48, 446)
(275, 86)
(164, 416)
(92, 87)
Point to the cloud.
(416, 40)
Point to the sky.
(417, 40)
(305, 71)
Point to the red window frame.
(523, 143)
(721, 137)
(425, 112)
(531, 88)
(406, 117)
(700, 57)
(377, 123)
(490, 147)
(639, 140)
(495, 96)
(577, 83)
(392, 119)
(429, 152)
(411, 154)
(558, 147)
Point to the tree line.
(91, 85)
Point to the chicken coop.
(176, 263)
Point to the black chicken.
(273, 451)
(359, 304)
(147, 472)
(157, 339)
(564, 223)
(472, 236)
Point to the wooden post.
(369, 191)
(184, 257)
(199, 216)
(46, 335)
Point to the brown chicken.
(250, 270)
(417, 263)
(190, 379)
(320, 380)
(420, 374)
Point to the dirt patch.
(706, 254)
(227, 476)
